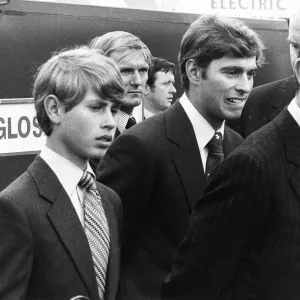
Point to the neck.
(200, 106)
(58, 148)
(127, 110)
(149, 107)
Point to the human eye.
(126, 71)
(232, 73)
(251, 74)
(295, 45)
(143, 71)
(114, 110)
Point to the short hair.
(120, 41)
(68, 74)
(211, 37)
(159, 65)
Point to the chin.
(133, 102)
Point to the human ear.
(54, 109)
(193, 72)
(147, 89)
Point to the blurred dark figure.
(266, 101)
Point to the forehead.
(245, 63)
(294, 31)
(129, 57)
(91, 96)
(164, 76)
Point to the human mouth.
(134, 92)
(236, 100)
(105, 140)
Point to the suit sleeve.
(127, 168)
(15, 252)
(224, 220)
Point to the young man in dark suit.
(54, 220)
(243, 242)
(159, 167)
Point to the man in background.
(160, 167)
(160, 87)
(134, 60)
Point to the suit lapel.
(285, 93)
(291, 136)
(64, 219)
(230, 141)
(187, 159)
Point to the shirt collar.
(203, 130)
(121, 120)
(294, 110)
(67, 172)
(148, 113)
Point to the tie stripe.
(96, 229)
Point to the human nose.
(245, 84)
(172, 90)
(109, 121)
(136, 79)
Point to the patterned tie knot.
(87, 181)
(215, 145)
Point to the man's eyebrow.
(237, 68)
(98, 100)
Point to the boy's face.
(224, 90)
(87, 130)
(134, 73)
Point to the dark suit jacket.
(156, 169)
(44, 253)
(264, 104)
(244, 238)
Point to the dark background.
(30, 31)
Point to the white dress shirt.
(294, 110)
(69, 176)
(202, 129)
(148, 114)
(121, 120)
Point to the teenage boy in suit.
(49, 236)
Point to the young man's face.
(162, 92)
(224, 90)
(134, 72)
(87, 130)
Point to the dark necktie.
(130, 123)
(96, 229)
(215, 153)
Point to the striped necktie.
(96, 229)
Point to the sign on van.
(19, 129)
